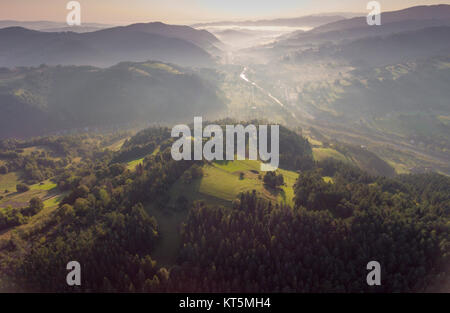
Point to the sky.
(187, 11)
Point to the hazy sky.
(187, 11)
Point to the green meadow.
(9, 182)
(47, 191)
(321, 154)
(221, 183)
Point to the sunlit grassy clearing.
(54, 201)
(321, 154)
(132, 164)
(9, 181)
(19, 200)
(45, 185)
(221, 184)
(163, 67)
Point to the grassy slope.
(51, 198)
(321, 154)
(116, 145)
(131, 165)
(221, 183)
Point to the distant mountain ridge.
(52, 26)
(310, 20)
(432, 12)
(345, 31)
(137, 42)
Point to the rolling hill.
(35, 101)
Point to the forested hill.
(37, 101)
(341, 219)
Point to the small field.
(9, 182)
(45, 185)
(46, 191)
(221, 184)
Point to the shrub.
(273, 180)
(22, 187)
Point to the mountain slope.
(384, 50)
(410, 19)
(201, 38)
